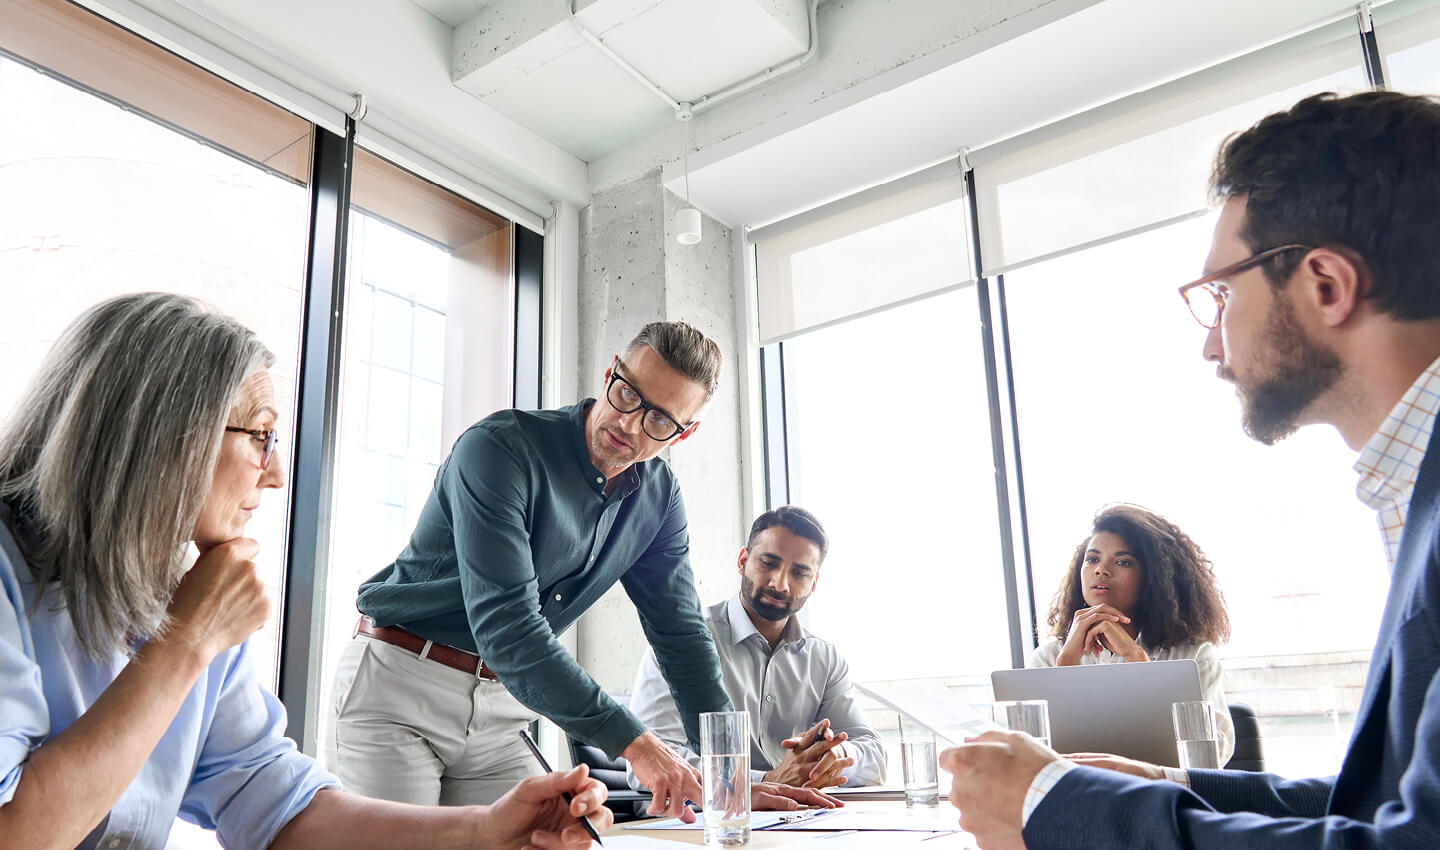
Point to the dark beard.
(762, 606)
(1303, 370)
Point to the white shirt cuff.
(1041, 785)
(1177, 775)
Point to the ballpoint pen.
(545, 766)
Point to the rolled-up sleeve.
(249, 779)
(24, 717)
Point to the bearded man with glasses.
(533, 517)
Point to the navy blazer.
(1387, 793)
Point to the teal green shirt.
(518, 538)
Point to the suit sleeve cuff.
(1041, 785)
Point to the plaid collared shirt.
(1390, 461)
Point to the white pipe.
(775, 73)
(620, 60)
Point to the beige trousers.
(415, 731)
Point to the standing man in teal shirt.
(532, 518)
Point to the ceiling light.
(687, 220)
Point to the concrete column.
(632, 271)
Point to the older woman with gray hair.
(126, 693)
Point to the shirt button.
(769, 698)
(114, 842)
(600, 479)
(557, 597)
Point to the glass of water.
(725, 775)
(1031, 716)
(1195, 735)
(917, 755)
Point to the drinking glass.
(917, 755)
(1031, 716)
(1195, 735)
(725, 775)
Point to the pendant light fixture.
(687, 219)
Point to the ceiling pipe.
(705, 102)
(620, 60)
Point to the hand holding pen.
(583, 771)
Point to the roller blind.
(1143, 161)
(1407, 32)
(886, 245)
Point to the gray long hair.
(111, 452)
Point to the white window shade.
(1408, 32)
(1144, 160)
(884, 246)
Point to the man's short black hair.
(797, 521)
(1362, 172)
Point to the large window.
(427, 352)
(1086, 227)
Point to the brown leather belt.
(440, 653)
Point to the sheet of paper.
(933, 705)
(758, 820)
(638, 842)
(857, 840)
(867, 792)
(880, 816)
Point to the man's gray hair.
(111, 452)
(688, 351)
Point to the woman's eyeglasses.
(268, 438)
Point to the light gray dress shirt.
(786, 692)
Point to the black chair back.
(1248, 753)
(625, 803)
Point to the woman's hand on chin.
(221, 601)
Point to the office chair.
(627, 804)
(1248, 753)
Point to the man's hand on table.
(777, 797)
(1120, 764)
(991, 774)
(670, 779)
(815, 759)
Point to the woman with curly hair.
(1139, 589)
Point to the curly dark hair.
(1180, 601)
(1362, 172)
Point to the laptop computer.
(1122, 709)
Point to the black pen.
(545, 766)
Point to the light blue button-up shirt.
(224, 763)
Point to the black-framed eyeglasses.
(657, 424)
(1204, 298)
(268, 438)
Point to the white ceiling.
(451, 12)
(529, 60)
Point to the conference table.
(870, 808)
